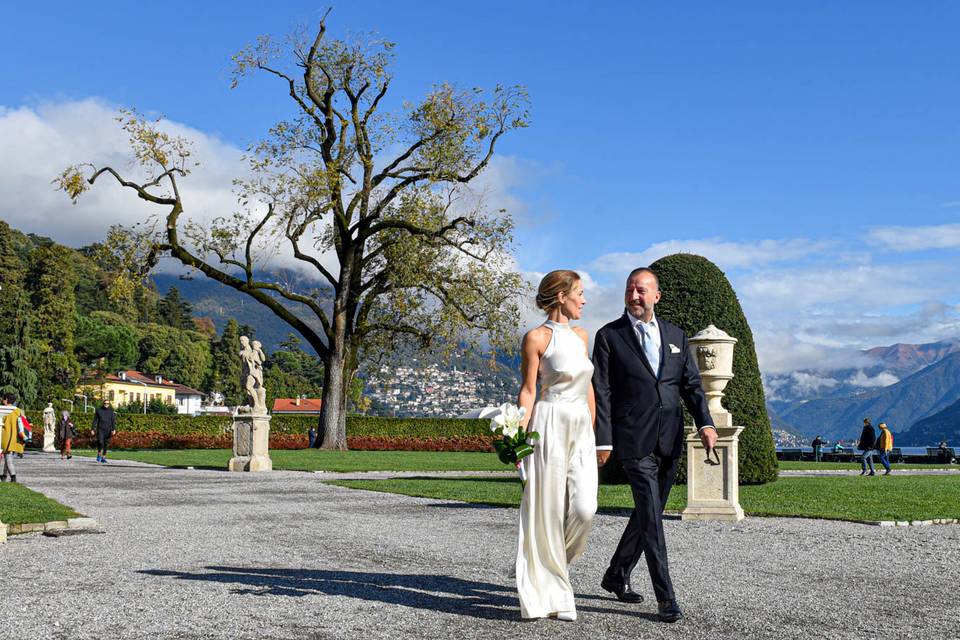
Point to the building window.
(111, 395)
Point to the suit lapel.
(629, 335)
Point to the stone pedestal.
(48, 438)
(712, 489)
(251, 443)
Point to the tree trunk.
(333, 412)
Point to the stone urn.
(713, 349)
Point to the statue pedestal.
(713, 489)
(48, 440)
(251, 443)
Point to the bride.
(560, 497)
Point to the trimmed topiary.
(696, 293)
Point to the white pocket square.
(674, 348)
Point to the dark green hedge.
(696, 293)
(294, 424)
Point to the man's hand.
(602, 457)
(708, 436)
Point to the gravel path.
(207, 554)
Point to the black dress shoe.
(623, 591)
(669, 611)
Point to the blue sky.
(810, 149)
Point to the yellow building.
(130, 386)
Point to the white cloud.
(725, 254)
(39, 142)
(810, 383)
(882, 379)
(904, 238)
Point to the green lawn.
(838, 498)
(809, 466)
(350, 461)
(19, 505)
(319, 460)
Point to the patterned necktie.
(650, 348)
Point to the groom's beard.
(637, 312)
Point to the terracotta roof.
(184, 390)
(289, 405)
(136, 376)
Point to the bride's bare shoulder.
(537, 338)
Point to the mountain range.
(943, 425)
(220, 303)
(900, 405)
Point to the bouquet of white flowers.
(514, 443)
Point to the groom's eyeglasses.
(716, 457)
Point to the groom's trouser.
(650, 480)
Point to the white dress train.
(560, 498)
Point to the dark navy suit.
(639, 413)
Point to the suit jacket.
(639, 412)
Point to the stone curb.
(911, 523)
(73, 524)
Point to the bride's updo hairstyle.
(552, 285)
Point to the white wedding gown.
(560, 498)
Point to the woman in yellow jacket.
(9, 444)
(885, 446)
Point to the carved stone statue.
(251, 423)
(252, 357)
(49, 430)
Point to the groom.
(643, 369)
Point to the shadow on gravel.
(443, 594)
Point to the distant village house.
(131, 386)
(297, 406)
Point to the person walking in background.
(884, 447)
(104, 426)
(10, 443)
(943, 452)
(66, 432)
(817, 449)
(866, 444)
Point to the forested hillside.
(67, 314)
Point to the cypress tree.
(226, 366)
(16, 347)
(51, 283)
(174, 311)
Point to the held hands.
(602, 457)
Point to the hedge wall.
(153, 431)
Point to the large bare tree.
(373, 203)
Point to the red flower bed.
(158, 440)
